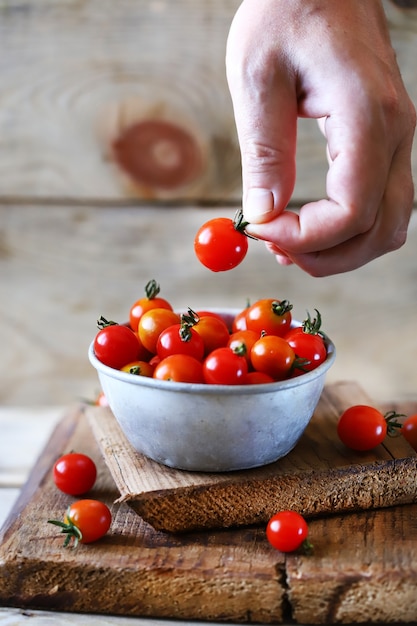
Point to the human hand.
(332, 61)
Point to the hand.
(332, 61)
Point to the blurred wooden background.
(80, 236)
(75, 76)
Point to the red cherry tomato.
(85, 521)
(180, 339)
(151, 325)
(308, 344)
(220, 244)
(149, 301)
(273, 356)
(74, 473)
(115, 344)
(287, 531)
(101, 400)
(409, 431)
(224, 367)
(180, 368)
(269, 316)
(363, 427)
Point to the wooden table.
(24, 432)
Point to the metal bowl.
(212, 428)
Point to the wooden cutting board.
(319, 476)
(363, 568)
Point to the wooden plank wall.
(75, 74)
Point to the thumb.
(265, 109)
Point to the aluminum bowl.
(212, 428)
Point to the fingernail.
(258, 204)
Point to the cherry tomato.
(409, 431)
(242, 341)
(287, 531)
(115, 344)
(223, 366)
(258, 378)
(239, 322)
(74, 473)
(139, 368)
(308, 343)
(220, 244)
(273, 355)
(270, 316)
(85, 521)
(180, 368)
(101, 400)
(363, 427)
(180, 339)
(149, 301)
(213, 331)
(151, 325)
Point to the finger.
(265, 108)
(387, 234)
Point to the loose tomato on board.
(74, 473)
(180, 368)
(151, 300)
(269, 316)
(224, 366)
(115, 344)
(362, 427)
(85, 521)
(221, 244)
(287, 531)
(409, 430)
(273, 355)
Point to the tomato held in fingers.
(269, 316)
(85, 521)
(409, 431)
(273, 356)
(74, 473)
(151, 300)
(180, 368)
(287, 531)
(220, 244)
(362, 427)
(223, 366)
(115, 344)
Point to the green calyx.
(69, 529)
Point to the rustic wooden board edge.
(177, 501)
(152, 575)
(56, 443)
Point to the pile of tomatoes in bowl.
(257, 344)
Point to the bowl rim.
(208, 389)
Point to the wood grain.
(320, 476)
(362, 570)
(75, 75)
